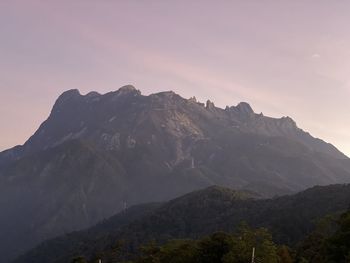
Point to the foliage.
(338, 246)
(327, 245)
(247, 239)
(219, 247)
(289, 219)
(79, 260)
(312, 248)
(284, 254)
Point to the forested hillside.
(288, 219)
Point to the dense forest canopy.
(329, 243)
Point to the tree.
(219, 247)
(214, 248)
(284, 255)
(338, 246)
(245, 240)
(150, 253)
(313, 248)
(79, 259)
(179, 251)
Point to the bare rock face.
(128, 89)
(244, 108)
(130, 143)
(210, 105)
(288, 123)
(97, 151)
(110, 142)
(193, 99)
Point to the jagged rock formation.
(97, 151)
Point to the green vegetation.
(299, 221)
(338, 246)
(79, 260)
(329, 243)
(218, 247)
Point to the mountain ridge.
(97, 152)
(242, 107)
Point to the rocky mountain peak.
(92, 94)
(288, 121)
(244, 107)
(128, 89)
(193, 99)
(97, 151)
(69, 94)
(210, 105)
(66, 98)
(167, 94)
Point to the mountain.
(289, 218)
(97, 153)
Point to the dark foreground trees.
(329, 243)
(219, 247)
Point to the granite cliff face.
(96, 154)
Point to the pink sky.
(283, 57)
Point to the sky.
(285, 58)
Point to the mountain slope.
(97, 153)
(98, 117)
(200, 213)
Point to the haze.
(283, 57)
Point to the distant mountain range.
(97, 154)
(289, 218)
